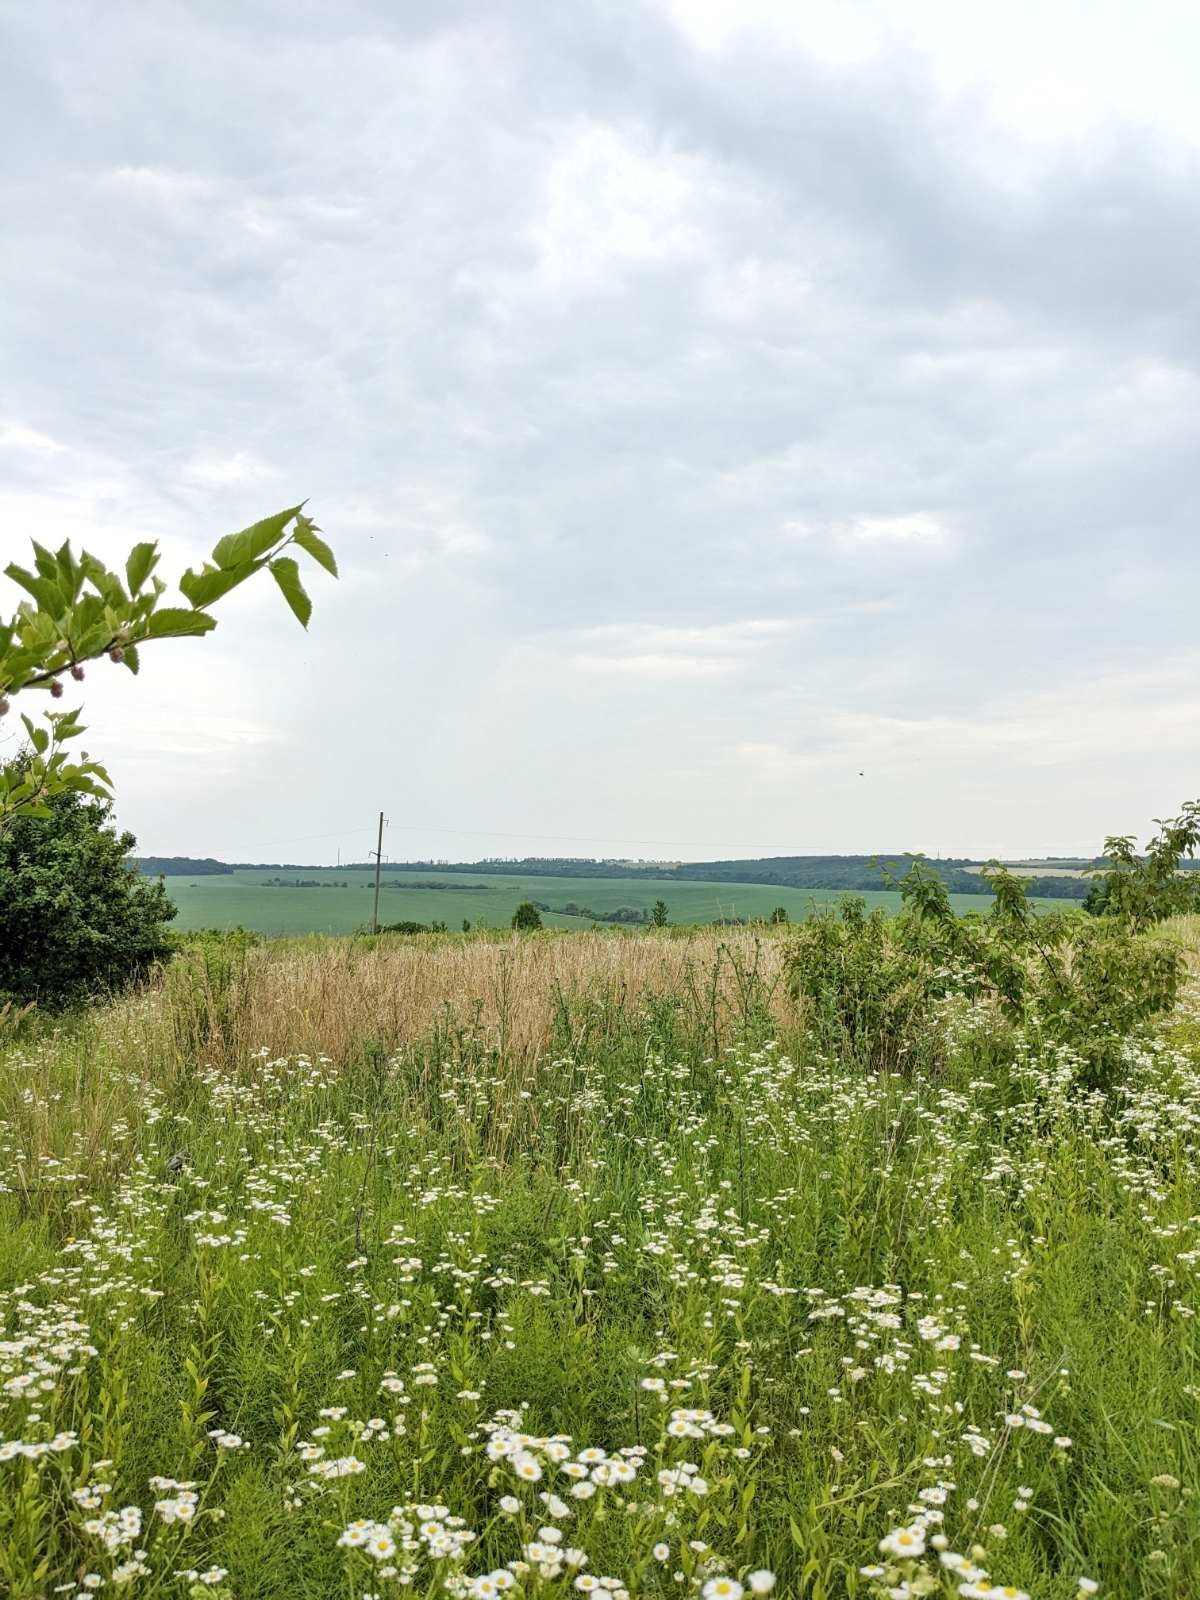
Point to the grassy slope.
(229, 901)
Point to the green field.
(242, 899)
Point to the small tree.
(1142, 890)
(658, 914)
(526, 918)
(780, 914)
(76, 920)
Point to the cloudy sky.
(744, 426)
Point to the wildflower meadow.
(583, 1263)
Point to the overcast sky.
(744, 427)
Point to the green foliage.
(865, 992)
(78, 611)
(780, 915)
(76, 921)
(871, 988)
(1144, 889)
(658, 914)
(526, 918)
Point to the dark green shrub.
(526, 918)
(76, 920)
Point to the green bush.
(865, 992)
(76, 920)
(869, 988)
(527, 917)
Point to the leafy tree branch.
(79, 611)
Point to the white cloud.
(14, 436)
(914, 526)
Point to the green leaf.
(287, 575)
(130, 658)
(237, 548)
(143, 559)
(38, 737)
(173, 622)
(47, 594)
(70, 576)
(307, 538)
(210, 583)
(44, 561)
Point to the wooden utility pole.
(378, 864)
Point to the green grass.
(846, 1283)
(241, 900)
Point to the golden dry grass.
(330, 996)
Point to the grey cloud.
(587, 345)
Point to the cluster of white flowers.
(180, 1504)
(115, 1529)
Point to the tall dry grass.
(335, 997)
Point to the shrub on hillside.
(526, 918)
(76, 919)
(865, 992)
(870, 988)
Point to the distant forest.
(785, 872)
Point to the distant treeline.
(180, 866)
(856, 873)
(447, 888)
(625, 914)
(784, 872)
(303, 883)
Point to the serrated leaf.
(38, 737)
(308, 539)
(143, 559)
(47, 594)
(130, 659)
(44, 561)
(287, 575)
(93, 641)
(173, 622)
(237, 548)
(210, 583)
(70, 577)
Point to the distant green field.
(485, 900)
